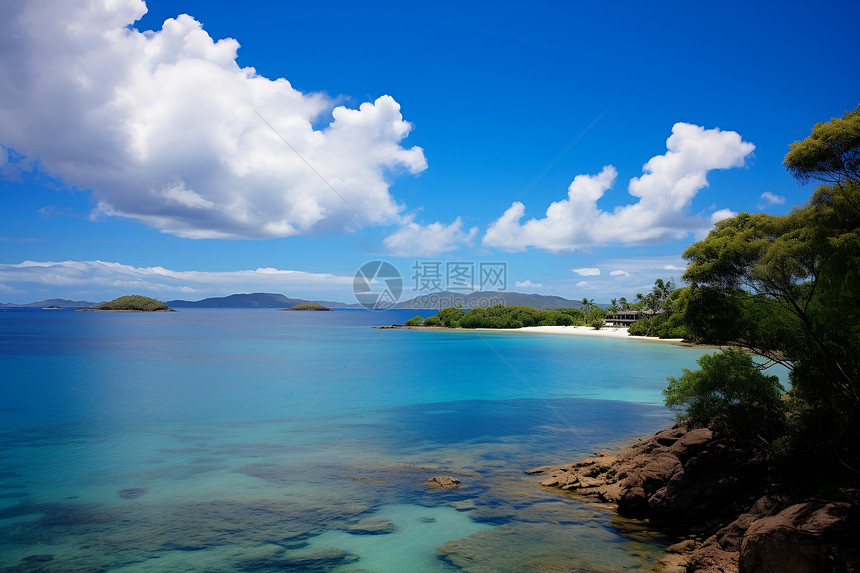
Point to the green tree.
(587, 305)
(788, 288)
(831, 154)
(728, 394)
(450, 316)
(432, 321)
(415, 320)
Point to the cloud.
(527, 284)
(165, 128)
(416, 240)
(619, 273)
(101, 279)
(722, 214)
(587, 272)
(582, 283)
(9, 290)
(665, 192)
(773, 199)
(673, 268)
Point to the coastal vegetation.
(728, 393)
(312, 306)
(768, 478)
(660, 304)
(501, 316)
(134, 303)
(787, 288)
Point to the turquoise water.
(256, 440)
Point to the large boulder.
(816, 536)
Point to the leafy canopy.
(728, 393)
(788, 288)
(831, 153)
(133, 302)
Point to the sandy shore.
(606, 332)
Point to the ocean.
(255, 440)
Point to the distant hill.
(253, 300)
(61, 302)
(274, 300)
(486, 298)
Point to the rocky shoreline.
(718, 494)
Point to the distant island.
(434, 300)
(249, 300)
(51, 303)
(307, 306)
(131, 303)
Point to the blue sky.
(143, 157)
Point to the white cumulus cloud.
(166, 128)
(416, 240)
(582, 284)
(619, 273)
(722, 214)
(772, 198)
(665, 191)
(587, 271)
(527, 284)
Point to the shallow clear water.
(255, 440)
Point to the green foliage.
(309, 306)
(728, 394)
(788, 288)
(831, 153)
(415, 320)
(134, 302)
(432, 321)
(501, 316)
(663, 301)
(450, 316)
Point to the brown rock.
(443, 482)
(712, 559)
(814, 536)
(691, 443)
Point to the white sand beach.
(609, 332)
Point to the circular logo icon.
(377, 285)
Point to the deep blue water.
(254, 440)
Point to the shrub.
(450, 316)
(432, 321)
(728, 394)
(415, 320)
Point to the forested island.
(308, 306)
(131, 303)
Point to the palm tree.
(587, 305)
